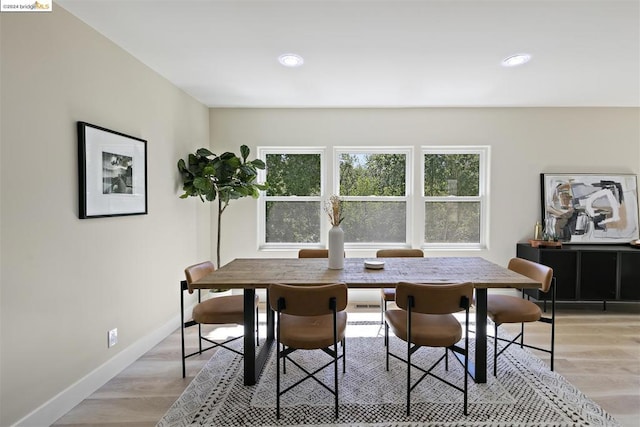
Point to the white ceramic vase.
(336, 248)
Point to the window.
(390, 197)
(454, 195)
(374, 185)
(291, 207)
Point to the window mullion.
(452, 199)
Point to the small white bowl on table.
(373, 264)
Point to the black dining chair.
(424, 318)
(389, 294)
(512, 309)
(309, 318)
(213, 311)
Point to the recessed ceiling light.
(290, 60)
(515, 60)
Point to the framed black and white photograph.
(590, 208)
(112, 172)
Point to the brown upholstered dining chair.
(512, 309)
(389, 294)
(309, 318)
(424, 318)
(313, 253)
(213, 311)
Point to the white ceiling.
(382, 53)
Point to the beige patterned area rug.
(525, 393)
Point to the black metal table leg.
(481, 336)
(253, 364)
(271, 316)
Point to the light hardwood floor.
(597, 351)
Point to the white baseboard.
(67, 399)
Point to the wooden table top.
(261, 272)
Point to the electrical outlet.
(112, 337)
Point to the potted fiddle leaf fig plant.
(222, 177)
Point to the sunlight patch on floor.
(362, 323)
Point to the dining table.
(251, 274)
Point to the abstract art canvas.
(590, 208)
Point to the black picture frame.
(112, 173)
(590, 208)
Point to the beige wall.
(524, 143)
(66, 281)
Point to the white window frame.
(262, 202)
(484, 153)
(407, 198)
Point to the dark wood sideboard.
(588, 272)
